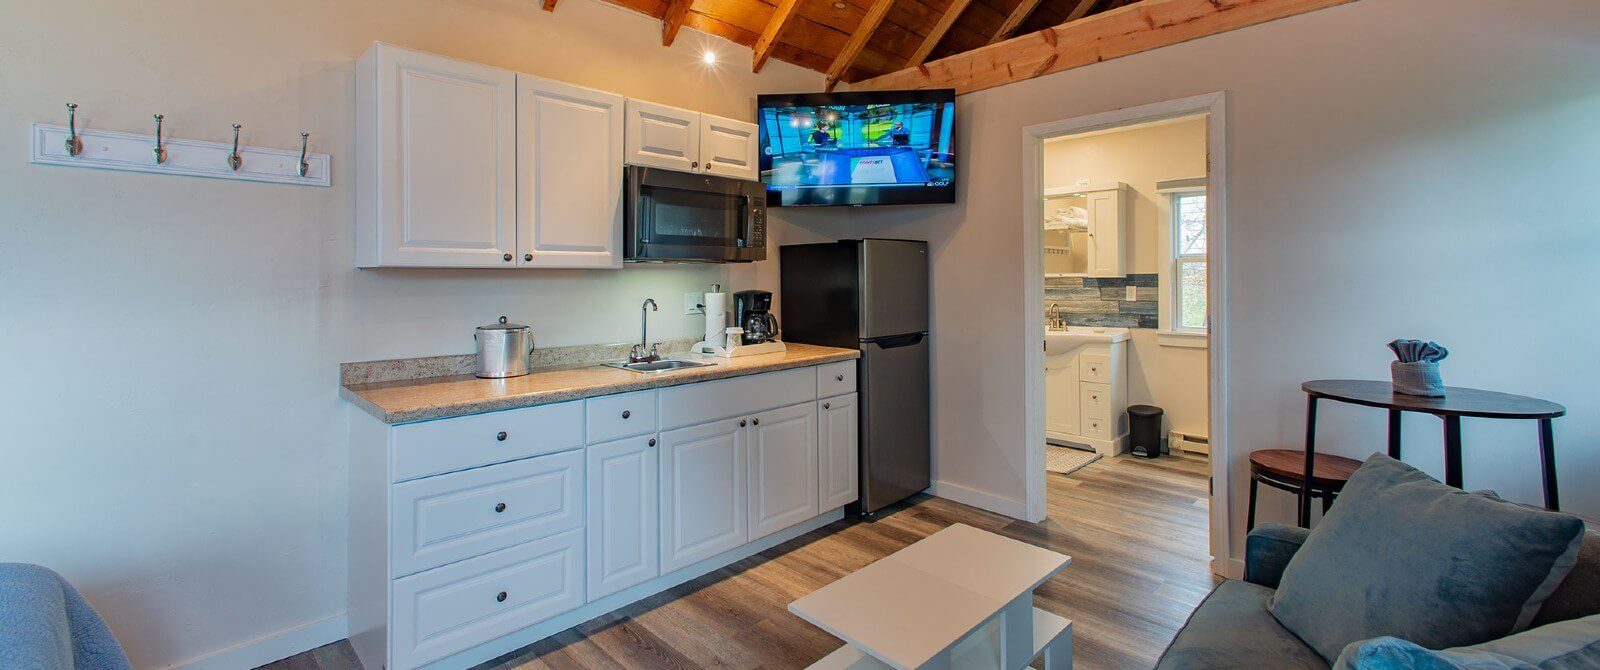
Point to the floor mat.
(1067, 460)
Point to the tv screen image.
(871, 148)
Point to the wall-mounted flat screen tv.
(858, 148)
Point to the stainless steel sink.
(658, 366)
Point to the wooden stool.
(1285, 470)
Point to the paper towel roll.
(716, 318)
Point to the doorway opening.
(1124, 220)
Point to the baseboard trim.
(274, 647)
(1016, 509)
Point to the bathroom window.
(1189, 262)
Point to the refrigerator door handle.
(895, 341)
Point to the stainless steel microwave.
(695, 218)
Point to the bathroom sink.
(1063, 341)
(658, 366)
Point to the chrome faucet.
(638, 355)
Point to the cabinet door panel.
(837, 456)
(728, 147)
(783, 468)
(662, 136)
(1061, 395)
(569, 167)
(447, 160)
(1105, 228)
(702, 492)
(623, 514)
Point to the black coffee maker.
(752, 311)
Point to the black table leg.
(1547, 461)
(1311, 446)
(1394, 434)
(1452, 451)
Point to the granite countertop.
(407, 400)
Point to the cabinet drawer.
(1095, 399)
(447, 445)
(1094, 368)
(1097, 428)
(438, 520)
(450, 609)
(836, 379)
(693, 404)
(614, 417)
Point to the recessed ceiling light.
(708, 57)
(838, 5)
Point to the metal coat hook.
(234, 161)
(74, 144)
(303, 167)
(161, 151)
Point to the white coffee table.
(960, 598)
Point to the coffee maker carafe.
(752, 311)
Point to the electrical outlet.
(1133, 294)
(694, 303)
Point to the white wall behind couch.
(1398, 168)
(170, 425)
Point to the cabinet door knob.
(838, 378)
(499, 508)
(500, 436)
(741, 423)
(756, 421)
(652, 441)
(827, 406)
(695, 165)
(507, 258)
(527, 258)
(501, 597)
(626, 414)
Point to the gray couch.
(1233, 629)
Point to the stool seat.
(1328, 471)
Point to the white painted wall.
(1172, 378)
(1398, 168)
(170, 421)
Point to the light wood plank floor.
(1136, 531)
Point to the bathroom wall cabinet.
(1094, 247)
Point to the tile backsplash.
(1103, 301)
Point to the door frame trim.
(1214, 106)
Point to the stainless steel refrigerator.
(871, 295)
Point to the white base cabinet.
(468, 532)
(1086, 397)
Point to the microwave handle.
(744, 222)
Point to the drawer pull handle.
(741, 423)
(501, 597)
(652, 441)
(838, 378)
(827, 406)
(626, 414)
(500, 436)
(499, 508)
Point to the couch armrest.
(1267, 551)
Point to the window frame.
(1178, 260)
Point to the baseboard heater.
(1181, 441)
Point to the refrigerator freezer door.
(896, 449)
(894, 288)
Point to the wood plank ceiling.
(853, 40)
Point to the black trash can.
(1144, 431)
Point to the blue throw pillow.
(1403, 555)
(1565, 645)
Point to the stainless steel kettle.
(504, 349)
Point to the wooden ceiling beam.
(677, 11)
(858, 40)
(1143, 26)
(1014, 20)
(1082, 9)
(549, 5)
(772, 33)
(946, 20)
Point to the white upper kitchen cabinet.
(569, 175)
(688, 141)
(436, 161)
(728, 147)
(783, 468)
(662, 136)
